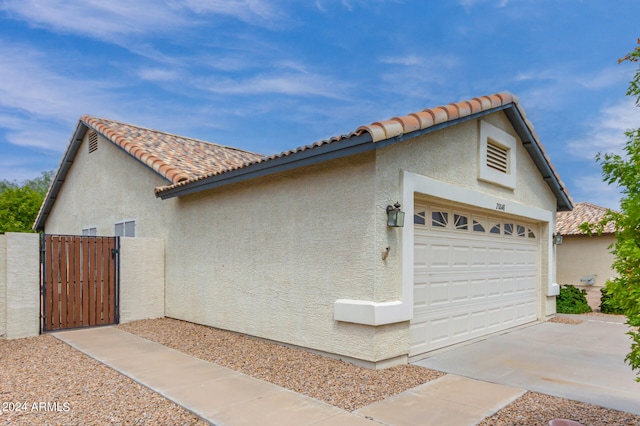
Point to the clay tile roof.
(398, 126)
(176, 158)
(259, 159)
(568, 223)
(429, 117)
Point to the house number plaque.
(501, 207)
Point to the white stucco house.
(582, 260)
(296, 247)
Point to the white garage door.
(473, 275)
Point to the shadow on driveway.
(583, 362)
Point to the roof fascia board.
(350, 146)
(331, 151)
(60, 176)
(535, 152)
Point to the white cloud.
(158, 74)
(593, 190)
(95, 18)
(27, 85)
(18, 168)
(607, 133)
(295, 84)
(252, 11)
(418, 76)
(408, 60)
(607, 77)
(115, 20)
(429, 62)
(467, 4)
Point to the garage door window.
(461, 222)
(438, 218)
(508, 229)
(478, 226)
(495, 229)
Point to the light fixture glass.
(557, 239)
(395, 216)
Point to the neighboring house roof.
(568, 223)
(190, 165)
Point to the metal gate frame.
(87, 268)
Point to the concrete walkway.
(226, 397)
(583, 362)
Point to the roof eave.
(532, 146)
(364, 142)
(354, 144)
(60, 176)
(349, 146)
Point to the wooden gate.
(79, 278)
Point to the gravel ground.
(81, 391)
(336, 382)
(46, 382)
(345, 385)
(566, 320)
(535, 409)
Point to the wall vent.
(93, 141)
(497, 157)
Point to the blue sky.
(271, 75)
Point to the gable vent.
(93, 142)
(497, 158)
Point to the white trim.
(124, 227)
(380, 313)
(88, 229)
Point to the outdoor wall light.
(395, 216)
(557, 239)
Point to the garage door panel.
(439, 329)
(494, 256)
(420, 295)
(460, 256)
(420, 256)
(439, 255)
(460, 291)
(460, 325)
(438, 293)
(468, 284)
(479, 257)
(478, 289)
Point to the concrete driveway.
(583, 362)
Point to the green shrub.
(607, 303)
(572, 300)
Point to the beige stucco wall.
(141, 278)
(3, 286)
(273, 255)
(270, 257)
(19, 285)
(108, 186)
(581, 257)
